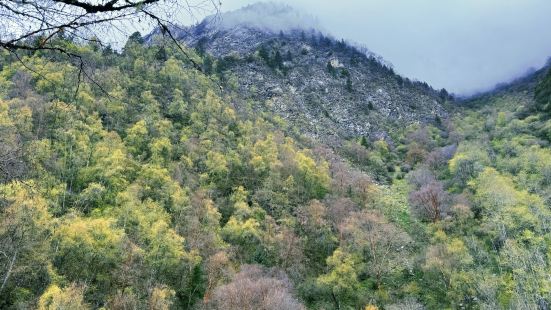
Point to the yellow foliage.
(161, 298)
(5, 120)
(69, 298)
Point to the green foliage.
(342, 279)
(272, 58)
(312, 177)
(90, 250)
(153, 196)
(468, 161)
(543, 94)
(135, 193)
(70, 298)
(25, 225)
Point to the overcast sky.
(462, 45)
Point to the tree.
(468, 161)
(105, 175)
(200, 223)
(264, 54)
(159, 247)
(349, 86)
(90, 250)
(380, 242)
(24, 228)
(342, 278)
(155, 183)
(57, 27)
(217, 269)
(448, 264)
(34, 25)
(430, 201)
(278, 61)
(68, 298)
(255, 287)
(289, 249)
(331, 69)
(11, 148)
(543, 94)
(123, 299)
(136, 139)
(288, 56)
(444, 95)
(319, 241)
(161, 298)
(421, 177)
(525, 261)
(358, 152)
(178, 108)
(415, 154)
(244, 230)
(313, 178)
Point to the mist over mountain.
(328, 87)
(463, 46)
(262, 17)
(274, 17)
(266, 16)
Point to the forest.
(148, 184)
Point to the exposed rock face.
(325, 87)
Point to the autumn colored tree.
(381, 242)
(255, 287)
(430, 201)
(70, 298)
(24, 243)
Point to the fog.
(269, 16)
(464, 46)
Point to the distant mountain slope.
(325, 87)
(526, 83)
(522, 96)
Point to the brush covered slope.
(150, 187)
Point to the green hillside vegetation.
(151, 185)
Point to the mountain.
(526, 83)
(145, 183)
(328, 88)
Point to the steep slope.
(498, 232)
(154, 192)
(526, 85)
(328, 88)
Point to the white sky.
(462, 45)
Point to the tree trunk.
(10, 268)
(337, 305)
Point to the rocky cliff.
(326, 87)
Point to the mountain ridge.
(329, 88)
(185, 180)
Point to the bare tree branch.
(23, 21)
(107, 7)
(32, 25)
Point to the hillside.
(328, 88)
(265, 184)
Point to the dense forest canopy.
(150, 186)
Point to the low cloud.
(463, 45)
(269, 16)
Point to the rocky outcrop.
(325, 87)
